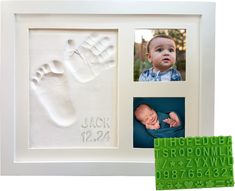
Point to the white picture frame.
(18, 18)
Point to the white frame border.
(9, 166)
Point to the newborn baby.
(149, 117)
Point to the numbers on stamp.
(216, 172)
(182, 173)
(166, 174)
(158, 174)
(223, 172)
(199, 173)
(191, 173)
(207, 173)
(174, 174)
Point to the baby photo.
(157, 118)
(159, 55)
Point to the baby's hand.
(153, 127)
(173, 121)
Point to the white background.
(224, 120)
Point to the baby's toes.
(34, 82)
(56, 67)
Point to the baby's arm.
(174, 120)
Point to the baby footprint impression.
(90, 58)
(51, 88)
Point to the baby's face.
(148, 117)
(162, 53)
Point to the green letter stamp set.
(193, 162)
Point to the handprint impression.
(89, 59)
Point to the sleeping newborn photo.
(157, 118)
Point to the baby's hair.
(140, 108)
(158, 36)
